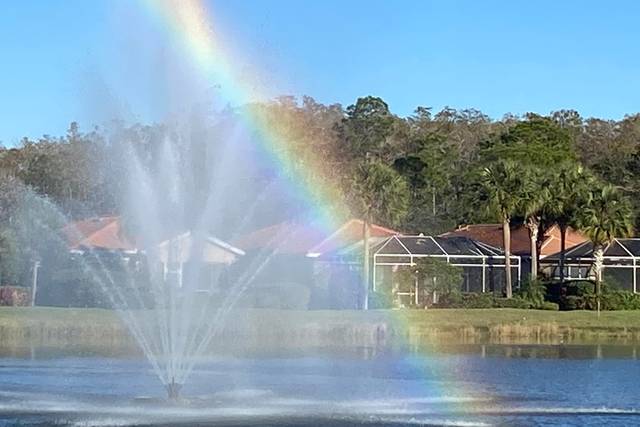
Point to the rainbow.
(191, 21)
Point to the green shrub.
(533, 291)
(581, 288)
(620, 300)
(451, 300)
(552, 306)
(466, 300)
(475, 300)
(487, 300)
(572, 302)
(586, 288)
(435, 275)
(515, 302)
(481, 300)
(609, 300)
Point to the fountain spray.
(173, 390)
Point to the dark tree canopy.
(537, 141)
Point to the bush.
(452, 300)
(474, 300)
(609, 300)
(585, 288)
(580, 288)
(578, 295)
(552, 306)
(572, 302)
(481, 300)
(620, 300)
(515, 302)
(533, 291)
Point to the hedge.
(482, 300)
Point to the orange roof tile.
(348, 234)
(98, 233)
(284, 238)
(551, 244)
(491, 234)
(292, 238)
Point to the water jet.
(173, 390)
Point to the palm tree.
(568, 188)
(607, 215)
(380, 193)
(503, 183)
(533, 197)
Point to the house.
(109, 234)
(338, 263)
(278, 272)
(620, 267)
(482, 264)
(307, 256)
(491, 234)
(104, 243)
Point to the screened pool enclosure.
(620, 269)
(482, 265)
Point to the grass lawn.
(493, 324)
(494, 316)
(429, 318)
(16, 315)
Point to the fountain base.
(173, 390)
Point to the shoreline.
(59, 327)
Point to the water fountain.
(175, 290)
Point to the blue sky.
(93, 61)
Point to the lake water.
(457, 385)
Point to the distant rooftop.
(620, 248)
(309, 240)
(436, 246)
(348, 235)
(491, 234)
(100, 232)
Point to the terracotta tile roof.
(348, 234)
(491, 234)
(551, 244)
(108, 233)
(98, 233)
(284, 238)
(302, 239)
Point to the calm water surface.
(458, 385)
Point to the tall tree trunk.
(506, 236)
(598, 255)
(541, 232)
(365, 262)
(433, 200)
(533, 224)
(34, 283)
(563, 249)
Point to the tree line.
(428, 172)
